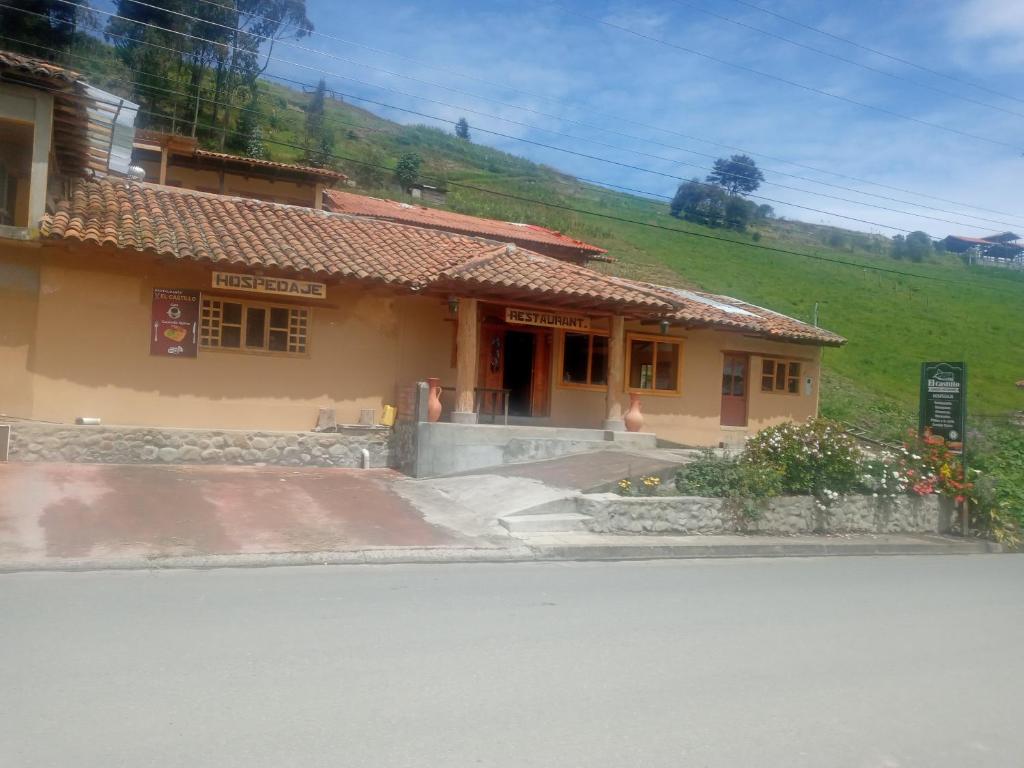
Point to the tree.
(737, 175)
(917, 246)
(48, 23)
(703, 203)
(319, 141)
(739, 213)
(462, 129)
(369, 174)
(408, 169)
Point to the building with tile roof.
(169, 305)
(531, 236)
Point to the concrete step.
(545, 522)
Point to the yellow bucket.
(387, 418)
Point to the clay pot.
(434, 400)
(633, 418)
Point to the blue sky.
(575, 68)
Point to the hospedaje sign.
(943, 403)
(277, 286)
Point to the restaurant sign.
(944, 402)
(546, 319)
(281, 286)
(173, 320)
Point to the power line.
(571, 136)
(877, 52)
(620, 118)
(845, 60)
(786, 81)
(606, 216)
(556, 117)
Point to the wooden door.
(735, 384)
(540, 400)
(491, 369)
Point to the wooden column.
(163, 166)
(616, 380)
(466, 362)
(318, 197)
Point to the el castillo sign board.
(282, 286)
(944, 402)
(546, 319)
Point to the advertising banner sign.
(173, 323)
(944, 402)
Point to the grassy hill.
(892, 322)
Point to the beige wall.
(90, 352)
(19, 292)
(694, 416)
(75, 340)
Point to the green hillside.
(892, 322)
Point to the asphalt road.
(864, 662)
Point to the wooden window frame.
(293, 330)
(677, 341)
(560, 382)
(784, 363)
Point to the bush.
(816, 458)
(724, 477)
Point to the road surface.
(861, 662)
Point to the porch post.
(466, 362)
(616, 364)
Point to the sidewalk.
(89, 517)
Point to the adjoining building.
(147, 304)
(1006, 246)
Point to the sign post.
(172, 324)
(943, 412)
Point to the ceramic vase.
(434, 400)
(634, 418)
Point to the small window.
(253, 327)
(584, 360)
(653, 364)
(780, 376)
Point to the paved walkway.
(90, 511)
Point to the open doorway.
(518, 377)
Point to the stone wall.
(147, 445)
(611, 513)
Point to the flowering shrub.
(817, 458)
(930, 467)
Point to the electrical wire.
(778, 78)
(611, 217)
(837, 57)
(623, 119)
(579, 138)
(877, 52)
(519, 107)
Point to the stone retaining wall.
(148, 445)
(611, 513)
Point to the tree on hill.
(319, 141)
(49, 23)
(247, 138)
(699, 202)
(737, 175)
(462, 129)
(917, 246)
(407, 172)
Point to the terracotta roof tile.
(726, 313)
(526, 235)
(230, 231)
(38, 67)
